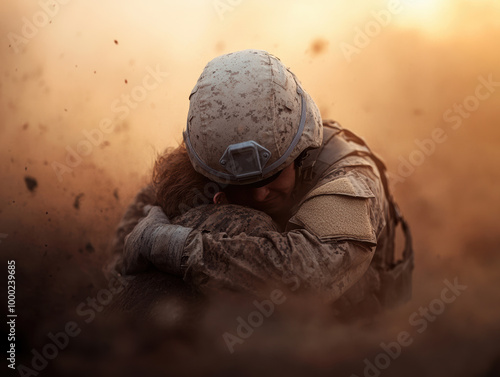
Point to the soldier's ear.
(220, 198)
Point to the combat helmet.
(249, 118)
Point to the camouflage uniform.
(347, 258)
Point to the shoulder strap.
(335, 147)
(312, 166)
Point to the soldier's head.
(249, 119)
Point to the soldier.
(256, 135)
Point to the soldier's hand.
(154, 241)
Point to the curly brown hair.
(178, 187)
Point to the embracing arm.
(331, 247)
(296, 259)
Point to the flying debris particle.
(31, 183)
(89, 248)
(318, 46)
(115, 194)
(76, 204)
(25, 126)
(126, 82)
(116, 42)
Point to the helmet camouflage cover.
(249, 118)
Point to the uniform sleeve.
(296, 260)
(329, 250)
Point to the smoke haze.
(91, 91)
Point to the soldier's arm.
(329, 250)
(296, 260)
(332, 245)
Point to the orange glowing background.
(391, 76)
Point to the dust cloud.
(91, 91)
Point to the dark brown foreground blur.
(395, 92)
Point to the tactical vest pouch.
(338, 209)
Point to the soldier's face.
(272, 198)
